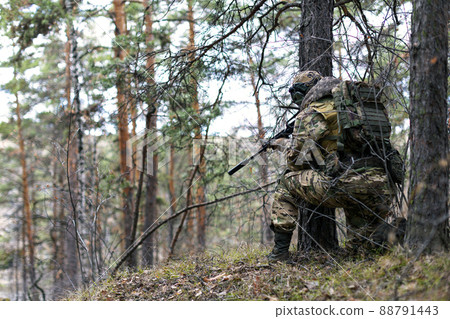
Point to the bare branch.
(240, 24)
(152, 229)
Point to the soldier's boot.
(280, 251)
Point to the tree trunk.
(316, 37)
(97, 251)
(151, 207)
(200, 193)
(70, 238)
(189, 200)
(75, 160)
(427, 227)
(23, 253)
(70, 249)
(316, 230)
(194, 96)
(81, 221)
(172, 194)
(134, 174)
(266, 233)
(127, 209)
(17, 264)
(316, 225)
(201, 211)
(28, 218)
(57, 232)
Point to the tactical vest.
(362, 117)
(364, 127)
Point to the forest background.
(120, 119)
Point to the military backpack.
(364, 127)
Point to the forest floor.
(244, 274)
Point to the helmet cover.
(302, 83)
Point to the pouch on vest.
(362, 117)
(364, 127)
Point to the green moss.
(244, 274)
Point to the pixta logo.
(212, 149)
(153, 143)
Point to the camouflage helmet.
(302, 83)
(308, 78)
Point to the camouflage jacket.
(314, 140)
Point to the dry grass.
(244, 274)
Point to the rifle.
(283, 134)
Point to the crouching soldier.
(339, 156)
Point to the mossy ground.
(244, 274)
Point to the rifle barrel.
(246, 161)
(283, 134)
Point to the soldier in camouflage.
(317, 174)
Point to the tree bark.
(200, 195)
(28, 218)
(97, 251)
(200, 192)
(123, 134)
(428, 226)
(23, 253)
(316, 230)
(148, 253)
(317, 227)
(57, 232)
(172, 194)
(17, 264)
(70, 236)
(194, 96)
(316, 37)
(65, 258)
(189, 215)
(151, 207)
(75, 160)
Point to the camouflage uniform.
(317, 176)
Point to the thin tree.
(172, 193)
(122, 105)
(27, 214)
(150, 210)
(55, 234)
(427, 228)
(200, 193)
(75, 156)
(266, 233)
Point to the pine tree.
(317, 227)
(428, 222)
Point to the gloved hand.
(278, 144)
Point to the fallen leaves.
(353, 287)
(222, 277)
(312, 278)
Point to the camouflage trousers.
(364, 195)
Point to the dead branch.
(154, 227)
(208, 47)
